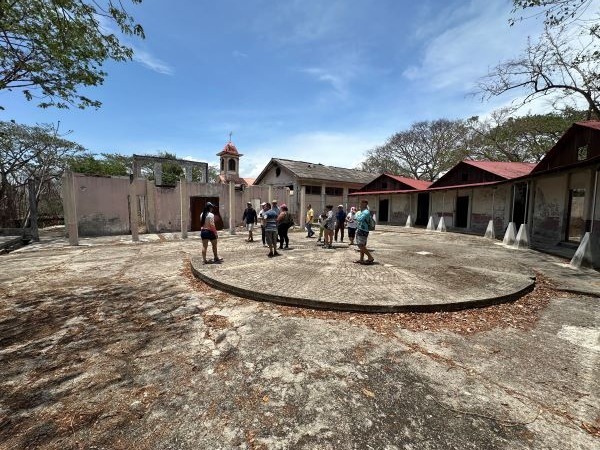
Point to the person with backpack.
(364, 223)
(284, 222)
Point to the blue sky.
(312, 80)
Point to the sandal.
(369, 261)
(358, 262)
(218, 260)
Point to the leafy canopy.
(49, 49)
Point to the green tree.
(35, 153)
(110, 164)
(51, 48)
(527, 138)
(424, 152)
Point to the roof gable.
(475, 172)
(307, 170)
(389, 182)
(580, 143)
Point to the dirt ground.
(118, 346)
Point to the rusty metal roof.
(507, 170)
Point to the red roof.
(229, 149)
(590, 124)
(417, 184)
(508, 170)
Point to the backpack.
(371, 223)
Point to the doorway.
(519, 201)
(197, 205)
(462, 212)
(384, 206)
(575, 220)
(422, 209)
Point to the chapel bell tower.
(230, 163)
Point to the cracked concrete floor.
(116, 346)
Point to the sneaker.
(270, 255)
(276, 254)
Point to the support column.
(187, 170)
(302, 212)
(345, 198)
(232, 206)
(70, 207)
(158, 174)
(270, 194)
(33, 210)
(133, 210)
(183, 195)
(323, 198)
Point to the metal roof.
(417, 184)
(306, 170)
(507, 170)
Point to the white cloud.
(152, 62)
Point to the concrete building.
(314, 184)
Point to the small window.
(582, 153)
(334, 191)
(222, 164)
(313, 190)
(278, 171)
(232, 164)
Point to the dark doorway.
(384, 206)
(197, 205)
(422, 209)
(462, 212)
(575, 219)
(519, 204)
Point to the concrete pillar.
(70, 207)
(441, 224)
(232, 206)
(184, 203)
(187, 170)
(409, 222)
(158, 174)
(323, 198)
(270, 194)
(33, 210)
(431, 224)
(522, 239)
(509, 236)
(302, 212)
(588, 252)
(137, 170)
(345, 199)
(489, 232)
(151, 218)
(133, 210)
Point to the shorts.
(250, 226)
(361, 237)
(208, 234)
(271, 237)
(351, 233)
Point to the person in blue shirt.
(362, 233)
(270, 225)
(340, 219)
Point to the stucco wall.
(549, 210)
(400, 209)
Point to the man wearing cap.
(340, 219)
(250, 218)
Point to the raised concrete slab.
(414, 271)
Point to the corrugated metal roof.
(417, 184)
(507, 170)
(590, 124)
(305, 170)
(442, 188)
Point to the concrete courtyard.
(118, 345)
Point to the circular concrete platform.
(415, 270)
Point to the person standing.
(351, 221)
(284, 222)
(270, 222)
(322, 218)
(363, 219)
(310, 215)
(340, 221)
(251, 219)
(208, 233)
(329, 226)
(261, 217)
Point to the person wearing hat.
(250, 218)
(275, 207)
(261, 217)
(340, 220)
(351, 221)
(208, 233)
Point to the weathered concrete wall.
(443, 204)
(284, 178)
(400, 208)
(102, 204)
(549, 210)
